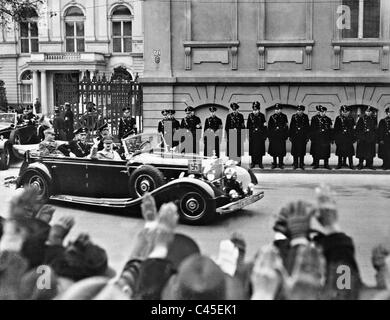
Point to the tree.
(17, 10)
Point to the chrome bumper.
(240, 204)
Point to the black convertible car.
(13, 133)
(202, 188)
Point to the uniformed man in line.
(127, 124)
(384, 140)
(322, 135)
(59, 125)
(212, 128)
(257, 128)
(366, 131)
(344, 136)
(69, 121)
(234, 125)
(299, 136)
(175, 125)
(160, 127)
(79, 147)
(314, 119)
(192, 124)
(278, 134)
(49, 147)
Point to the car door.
(107, 179)
(69, 175)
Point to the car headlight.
(230, 173)
(210, 175)
(233, 194)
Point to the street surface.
(363, 201)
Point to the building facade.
(63, 41)
(291, 52)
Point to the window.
(29, 35)
(26, 87)
(74, 30)
(122, 29)
(365, 19)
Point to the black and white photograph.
(194, 150)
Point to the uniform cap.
(322, 108)
(126, 109)
(234, 106)
(278, 106)
(301, 108)
(387, 110)
(81, 130)
(164, 112)
(189, 109)
(345, 108)
(371, 109)
(213, 109)
(171, 112)
(256, 105)
(103, 127)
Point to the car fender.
(33, 168)
(4, 143)
(192, 181)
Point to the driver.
(107, 153)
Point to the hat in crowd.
(189, 109)
(301, 108)
(322, 108)
(165, 112)
(345, 108)
(82, 259)
(108, 139)
(49, 130)
(103, 127)
(371, 109)
(126, 109)
(256, 105)
(56, 109)
(67, 104)
(387, 110)
(278, 106)
(81, 130)
(213, 109)
(198, 278)
(171, 112)
(234, 106)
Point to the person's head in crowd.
(165, 114)
(29, 109)
(126, 112)
(235, 107)
(300, 109)
(81, 134)
(198, 278)
(378, 259)
(108, 143)
(67, 106)
(189, 111)
(323, 110)
(278, 108)
(256, 107)
(50, 135)
(104, 131)
(90, 106)
(387, 111)
(213, 111)
(345, 111)
(369, 111)
(181, 248)
(82, 259)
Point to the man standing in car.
(299, 136)
(366, 139)
(213, 131)
(278, 134)
(257, 135)
(127, 124)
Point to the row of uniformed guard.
(320, 131)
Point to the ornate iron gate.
(107, 96)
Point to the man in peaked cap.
(299, 136)
(79, 147)
(322, 135)
(213, 130)
(49, 147)
(384, 139)
(256, 125)
(69, 121)
(193, 125)
(168, 126)
(278, 134)
(344, 136)
(314, 120)
(366, 134)
(127, 124)
(233, 126)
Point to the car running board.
(101, 202)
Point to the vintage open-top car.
(13, 133)
(202, 188)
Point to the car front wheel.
(37, 181)
(196, 208)
(5, 159)
(145, 180)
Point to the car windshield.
(7, 118)
(145, 142)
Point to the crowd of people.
(310, 257)
(345, 132)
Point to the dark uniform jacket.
(69, 124)
(299, 134)
(366, 137)
(234, 122)
(277, 134)
(127, 127)
(59, 127)
(212, 125)
(257, 134)
(344, 136)
(191, 124)
(167, 128)
(79, 149)
(314, 119)
(322, 136)
(30, 117)
(384, 138)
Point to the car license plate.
(194, 166)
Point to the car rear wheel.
(196, 208)
(5, 158)
(145, 180)
(37, 181)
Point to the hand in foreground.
(298, 215)
(46, 213)
(13, 237)
(149, 211)
(267, 274)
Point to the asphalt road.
(363, 200)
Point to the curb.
(309, 170)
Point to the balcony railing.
(67, 57)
